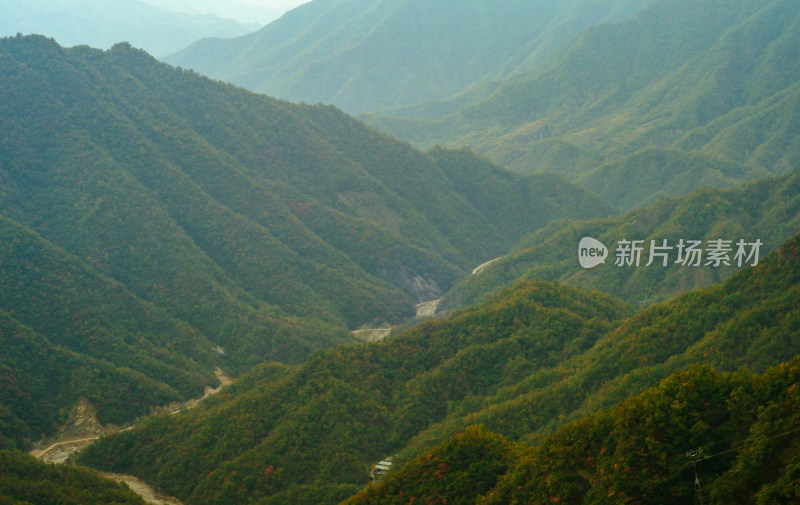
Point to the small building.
(382, 467)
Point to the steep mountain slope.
(699, 92)
(69, 332)
(165, 224)
(23, 480)
(744, 428)
(104, 23)
(524, 363)
(349, 407)
(460, 470)
(767, 210)
(365, 55)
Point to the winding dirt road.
(58, 452)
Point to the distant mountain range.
(634, 100)
(681, 95)
(365, 55)
(103, 23)
(245, 12)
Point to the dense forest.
(160, 230)
(523, 364)
(681, 95)
(157, 224)
(767, 210)
(24, 481)
(367, 55)
(741, 431)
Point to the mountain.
(157, 224)
(767, 210)
(524, 363)
(307, 434)
(23, 480)
(364, 55)
(69, 332)
(680, 95)
(742, 428)
(103, 23)
(460, 470)
(245, 12)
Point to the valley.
(216, 295)
(82, 427)
(500, 364)
(82, 421)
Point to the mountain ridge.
(634, 452)
(766, 210)
(524, 363)
(103, 24)
(347, 52)
(696, 79)
(246, 227)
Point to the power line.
(697, 456)
(694, 458)
(749, 444)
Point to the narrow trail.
(60, 451)
(223, 379)
(478, 269)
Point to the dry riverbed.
(143, 489)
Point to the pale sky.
(275, 4)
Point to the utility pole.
(694, 457)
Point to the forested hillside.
(681, 95)
(767, 210)
(320, 425)
(156, 224)
(158, 228)
(742, 429)
(24, 481)
(525, 363)
(365, 55)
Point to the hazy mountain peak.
(372, 54)
(102, 23)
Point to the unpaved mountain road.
(59, 452)
(84, 419)
(478, 269)
(143, 489)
